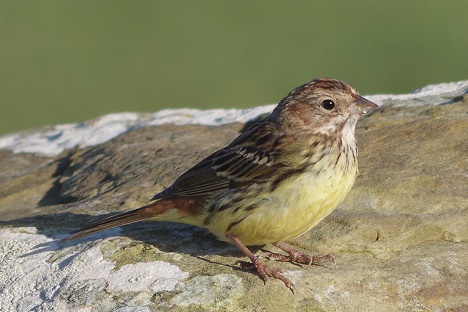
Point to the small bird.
(275, 181)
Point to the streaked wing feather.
(200, 180)
(243, 161)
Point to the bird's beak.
(362, 106)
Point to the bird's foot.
(296, 256)
(266, 272)
(258, 265)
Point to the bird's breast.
(261, 215)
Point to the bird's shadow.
(165, 236)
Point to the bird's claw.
(266, 272)
(301, 258)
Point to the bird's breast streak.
(296, 205)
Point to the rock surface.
(400, 237)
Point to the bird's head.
(322, 106)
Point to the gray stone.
(400, 237)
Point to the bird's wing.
(251, 158)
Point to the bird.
(275, 181)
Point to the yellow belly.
(291, 209)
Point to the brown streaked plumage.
(275, 181)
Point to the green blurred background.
(69, 61)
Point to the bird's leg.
(258, 265)
(296, 256)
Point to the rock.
(400, 237)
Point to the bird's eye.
(328, 104)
